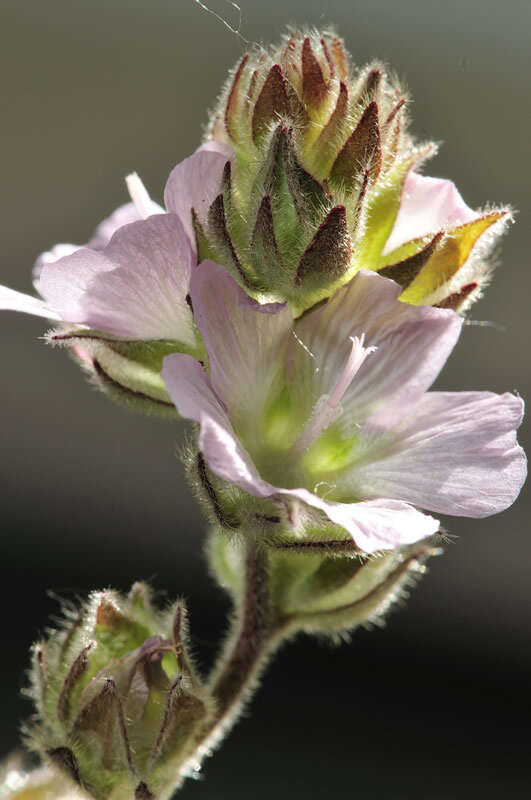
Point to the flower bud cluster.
(322, 158)
(119, 706)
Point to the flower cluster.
(295, 298)
(308, 192)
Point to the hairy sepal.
(318, 583)
(129, 372)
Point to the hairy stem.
(254, 636)
(238, 664)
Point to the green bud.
(129, 372)
(337, 593)
(119, 706)
(312, 195)
(320, 584)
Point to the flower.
(122, 299)
(325, 182)
(330, 415)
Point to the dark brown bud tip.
(371, 84)
(334, 126)
(217, 223)
(74, 674)
(328, 255)
(142, 792)
(361, 150)
(64, 759)
(455, 300)
(272, 103)
(263, 240)
(233, 101)
(314, 86)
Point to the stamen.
(328, 407)
(357, 356)
(139, 195)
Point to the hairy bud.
(316, 185)
(322, 585)
(119, 705)
(126, 371)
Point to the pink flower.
(331, 412)
(132, 278)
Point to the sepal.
(336, 593)
(458, 269)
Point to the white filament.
(357, 356)
(328, 407)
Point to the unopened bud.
(322, 154)
(320, 584)
(127, 371)
(118, 703)
(338, 593)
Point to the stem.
(253, 638)
(239, 663)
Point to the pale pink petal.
(63, 283)
(211, 146)
(49, 256)
(196, 182)
(10, 300)
(102, 235)
(455, 454)
(428, 205)
(245, 346)
(374, 525)
(191, 390)
(135, 288)
(123, 215)
(413, 344)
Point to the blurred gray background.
(434, 706)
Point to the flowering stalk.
(237, 669)
(295, 299)
(121, 711)
(253, 638)
(335, 591)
